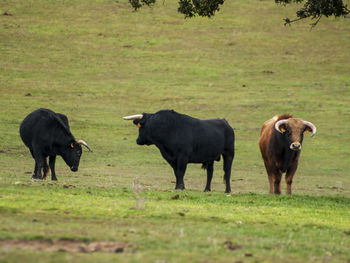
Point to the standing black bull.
(47, 134)
(182, 139)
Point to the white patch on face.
(295, 146)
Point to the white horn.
(279, 123)
(81, 142)
(310, 125)
(133, 117)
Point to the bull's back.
(26, 129)
(33, 125)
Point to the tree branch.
(316, 9)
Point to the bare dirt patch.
(74, 246)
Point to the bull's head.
(293, 129)
(72, 152)
(140, 120)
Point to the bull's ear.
(283, 128)
(139, 123)
(307, 129)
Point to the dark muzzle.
(139, 141)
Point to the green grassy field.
(97, 60)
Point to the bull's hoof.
(54, 179)
(180, 187)
(227, 191)
(207, 190)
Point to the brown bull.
(280, 143)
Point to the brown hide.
(280, 150)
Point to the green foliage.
(136, 4)
(315, 9)
(201, 7)
(189, 8)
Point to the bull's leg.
(180, 172)
(290, 174)
(35, 165)
(210, 169)
(289, 181)
(271, 177)
(39, 163)
(35, 170)
(271, 182)
(274, 176)
(46, 169)
(227, 168)
(52, 160)
(180, 185)
(277, 182)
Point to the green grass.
(272, 228)
(97, 61)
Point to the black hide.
(182, 139)
(47, 134)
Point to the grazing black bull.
(47, 134)
(182, 139)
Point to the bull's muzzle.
(74, 168)
(295, 146)
(139, 141)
